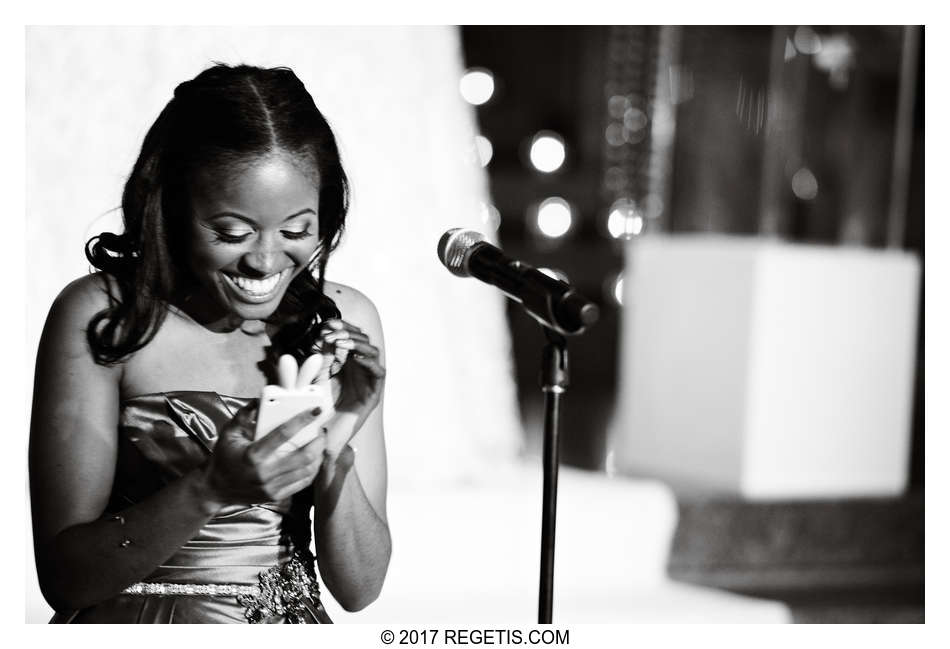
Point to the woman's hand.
(362, 376)
(245, 471)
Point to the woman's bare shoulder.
(64, 338)
(355, 305)
(84, 297)
(66, 369)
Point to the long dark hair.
(221, 120)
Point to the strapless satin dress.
(163, 436)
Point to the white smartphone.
(280, 404)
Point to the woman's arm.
(350, 525)
(82, 557)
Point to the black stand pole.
(554, 381)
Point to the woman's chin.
(260, 311)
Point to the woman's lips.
(257, 290)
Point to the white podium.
(765, 369)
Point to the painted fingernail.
(316, 411)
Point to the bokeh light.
(652, 206)
(477, 86)
(491, 217)
(617, 105)
(614, 134)
(554, 217)
(790, 51)
(547, 151)
(618, 289)
(624, 220)
(635, 119)
(484, 150)
(807, 41)
(804, 184)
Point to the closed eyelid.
(242, 228)
(300, 220)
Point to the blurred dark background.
(850, 182)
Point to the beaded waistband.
(214, 590)
(287, 591)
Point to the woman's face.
(252, 232)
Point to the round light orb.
(554, 217)
(632, 137)
(617, 104)
(624, 220)
(618, 289)
(484, 150)
(807, 40)
(804, 184)
(547, 152)
(477, 86)
(614, 134)
(635, 119)
(491, 217)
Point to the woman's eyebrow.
(250, 221)
(306, 210)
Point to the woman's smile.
(258, 290)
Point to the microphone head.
(454, 247)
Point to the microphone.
(553, 303)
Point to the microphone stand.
(554, 381)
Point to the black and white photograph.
(474, 331)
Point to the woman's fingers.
(243, 422)
(341, 338)
(310, 466)
(363, 350)
(367, 356)
(338, 324)
(276, 438)
(306, 457)
(338, 328)
(371, 365)
(298, 469)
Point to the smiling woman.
(253, 234)
(152, 500)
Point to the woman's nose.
(264, 259)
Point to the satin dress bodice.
(162, 437)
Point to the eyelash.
(293, 236)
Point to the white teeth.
(257, 287)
